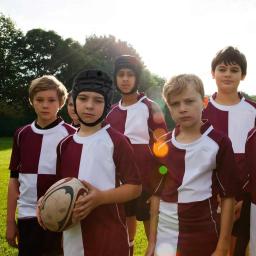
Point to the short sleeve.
(250, 153)
(15, 155)
(124, 159)
(227, 170)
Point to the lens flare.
(160, 133)
(160, 149)
(163, 170)
(206, 101)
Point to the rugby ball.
(56, 206)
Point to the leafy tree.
(102, 51)
(39, 52)
(43, 53)
(247, 96)
(74, 61)
(253, 98)
(47, 53)
(11, 62)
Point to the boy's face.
(227, 77)
(186, 108)
(90, 106)
(126, 80)
(46, 105)
(71, 109)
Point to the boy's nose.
(125, 78)
(228, 73)
(45, 104)
(182, 107)
(89, 104)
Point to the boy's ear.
(243, 77)
(213, 74)
(30, 102)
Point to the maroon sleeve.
(226, 169)
(15, 156)
(58, 173)
(126, 168)
(250, 156)
(70, 129)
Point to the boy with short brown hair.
(33, 168)
(200, 163)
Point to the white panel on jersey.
(96, 163)
(253, 230)
(200, 160)
(47, 161)
(168, 229)
(136, 125)
(28, 195)
(241, 121)
(73, 241)
(241, 118)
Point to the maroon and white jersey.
(250, 153)
(197, 172)
(34, 158)
(104, 159)
(140, 122)
(235, 121)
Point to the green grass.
(5, 250)
(5, 152)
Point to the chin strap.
(97, 121)
(133, 90)
(104, 114)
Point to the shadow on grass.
(5, 143)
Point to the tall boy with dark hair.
(229, 112)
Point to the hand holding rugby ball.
(56, 206)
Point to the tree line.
(24, 57)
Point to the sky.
(171, 36)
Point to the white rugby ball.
(56, 207)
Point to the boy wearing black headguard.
(103, 159)
(141, 120)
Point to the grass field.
(5, 151)
(5, 250)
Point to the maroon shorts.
(35, 241)
(242, 225)
(139, 207)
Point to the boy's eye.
(120, 74)
(189, 101)
(222, 69)
(99, 100)
(82, 98)
(130, 74)
(174, 104)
